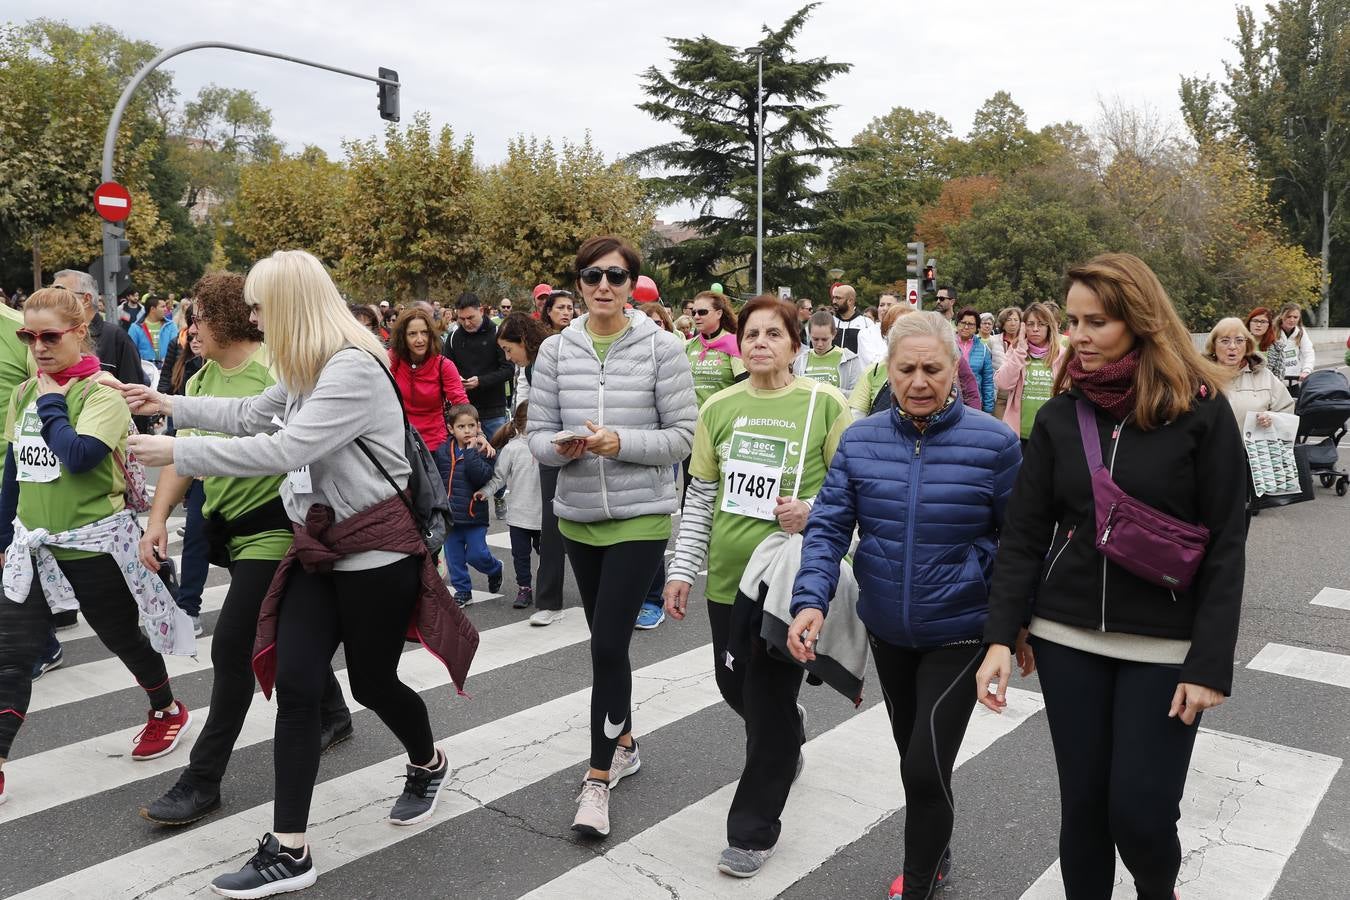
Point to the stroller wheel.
(1327, 480)
(1340, 488)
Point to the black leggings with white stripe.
(111, 611)
(929, 695)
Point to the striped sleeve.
(691, 545)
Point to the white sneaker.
(592, 817)
(626, 762)
(546, 617)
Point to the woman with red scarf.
(1126, 666)
(1029, 369)
(74, 539)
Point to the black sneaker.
(524, 598)
(421, 789)
(463, 600)
(495, 581)
(335, 732)
(182, 805)
(48, 662)
(64, 619)
(272, 870)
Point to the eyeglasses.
(591, 275)
(702, 312)
(1232, 342)
(50, 338)
(1258, 322)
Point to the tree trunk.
(1324, 313)
(37, 263)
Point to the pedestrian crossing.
(1250, 802)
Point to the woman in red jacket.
(426, 379)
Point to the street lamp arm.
(110, 139)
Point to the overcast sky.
(504, 67)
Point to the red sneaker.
(161, 733)
(897, 890)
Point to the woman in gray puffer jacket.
(611, 404)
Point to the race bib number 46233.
(34, 461)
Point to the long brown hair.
(1047, 318)
(726, 315)
(654, 310)
(1171, 370)
(513, 427)
(524, 329)
(398, 338)
(1273, 330)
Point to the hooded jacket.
(644, 392)
(426, 389)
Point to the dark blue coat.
(928, 508)
(469, 471)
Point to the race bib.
(752, 475)
(299, 481)
(34, 460)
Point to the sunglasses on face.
(702, 312)
(591, 275)
(50, 338)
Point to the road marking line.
(213, 598)
(824, 814)
(1246, 807)
(1300, 662)
(351, 812)
(1332, 597)
(85, 768)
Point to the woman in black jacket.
(1126, 667)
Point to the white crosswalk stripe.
(1302, 662)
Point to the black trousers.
(762, 689)
(368, 613)
(110, 610)
(523, 540)
(611, 581)
(1122, 769)
(548, 587)
(232, 686)
(929, 696)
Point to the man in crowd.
(154, 333)
(486, 371)
(885, 302)
(503, 310)
(804, 310)
(946, 303)
(856, 332)
(130, 311)
(540, 295)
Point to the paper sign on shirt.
(752, 475)
(33, 459)
(298, 479)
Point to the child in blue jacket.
(466, 542)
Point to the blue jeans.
(658, 586)
(466, 545)
(192, 573)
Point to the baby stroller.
(1323, 407)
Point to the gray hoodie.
(644, 392)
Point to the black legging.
(762, 689)
(548, 585)
(929, 696)
(1122, 769)
(606, 578)
(367, 612)
(232, 684)
(111, 611)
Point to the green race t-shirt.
(1037, 386)
(868, 386)
(229, 496)
(153, 329)
(16, 363)
(609, 532)
(824, 367)
(713, 370)
(72, 499)
(762, 428)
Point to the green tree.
(709, 95)
(1000, 143)
(287, 203)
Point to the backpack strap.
(1087, 430)
(806, 437)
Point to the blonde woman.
(1254, 387)
(332, 424)
(1029, 369)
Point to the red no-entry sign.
(112, 201)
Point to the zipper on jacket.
(914, 481)
(1067, 538)
(604, 492)
(1111, 469)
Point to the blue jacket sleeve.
(828, 534)
(9, 500)
(78, 452)
(477, 468)
(987, 393)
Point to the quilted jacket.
(469, 471)
(644, 392)
(928, 508)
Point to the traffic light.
(122, 249)
(930, 277)
(389, 95)
(914, 258)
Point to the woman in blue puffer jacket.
(926, 483)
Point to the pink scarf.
(725, 342)
(88, 365)
(1040, 352)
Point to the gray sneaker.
(626, 762)
(740, 863)
(421, 789)
(592, 818)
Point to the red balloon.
(644, 291)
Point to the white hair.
(923, 324)
(83, 282)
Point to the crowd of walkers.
(924, 488)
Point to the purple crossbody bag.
(1158, 548)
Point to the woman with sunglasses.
(74, 539)
(612, 406)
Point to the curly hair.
(219, 302)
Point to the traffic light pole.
(112, 232)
